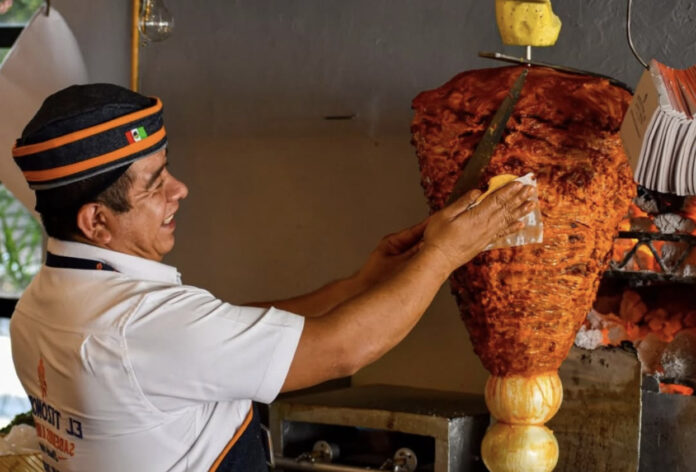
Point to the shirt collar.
(132, 266)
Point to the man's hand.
(361, 329)
(391, 254)
(459, 232)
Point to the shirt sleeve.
(184, 345)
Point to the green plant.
(20, 250)
(22, 418)
(20, 12)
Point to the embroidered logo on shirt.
(42, 379)
(57, 432)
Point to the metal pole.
(285, 463)
(135, 48)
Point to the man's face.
(147, 229)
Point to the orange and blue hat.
(88, 131)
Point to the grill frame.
(668, 274)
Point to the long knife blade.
(474, 166)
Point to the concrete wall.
(102, 29)
(283, 200)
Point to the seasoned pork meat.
(523, 305)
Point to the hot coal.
(679, 357)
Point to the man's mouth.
(168, 220)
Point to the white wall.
(283, 200)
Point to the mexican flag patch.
(136, 134)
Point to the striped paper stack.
(659, 130)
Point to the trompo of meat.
(523, 305)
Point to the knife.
(473, 167)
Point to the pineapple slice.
(527, 22)
(494, 184)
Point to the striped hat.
(85, 131)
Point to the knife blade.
(474, 166)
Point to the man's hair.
(61, 223)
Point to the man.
(129, 370)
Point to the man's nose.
(177, 189)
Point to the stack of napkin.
(659, 130)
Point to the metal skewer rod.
(521, 60)
(628, 35)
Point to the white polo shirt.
(132, 371)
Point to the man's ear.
(92, 220)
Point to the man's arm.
(362, 329)
(318, 302)
(392, 252)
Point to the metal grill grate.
(670, 272)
